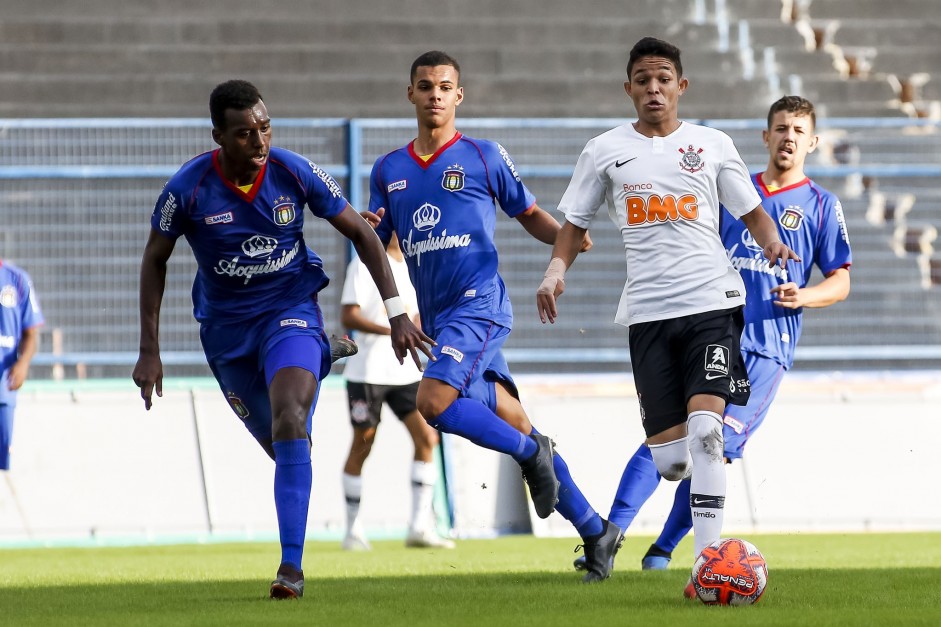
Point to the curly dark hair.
(431, 59)
(653, 47)
(234, 94)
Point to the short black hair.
(234, 94)
(795, 105)
(653, 47)
(434, 58)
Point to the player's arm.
(568, 243)
(148, 373)
(832, 289)
(765, 232)
(544, 227)
(29, 343)
(351, 316)
(406, 338)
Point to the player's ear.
(217, 135)
(814, 141)
(411, 94)
(765, 137)
(627, 88)
(683, 84)
(460, 96)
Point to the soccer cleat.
(341, 347)
(356, 542)
(579, 562)
(600, 551)
(539, 473)
(427, 539)
(655, 559)
(289, 583)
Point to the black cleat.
(289, 583)
(600, 551)
(539, 473)
(341, 347)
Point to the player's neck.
(660, 129)
(430, 140)
(238, 177)
(773, 177)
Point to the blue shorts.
(244, 357)
(741, 421)
(469, 359)
(6, 433)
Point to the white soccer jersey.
(376, 362)
(663, 193)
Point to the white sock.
(423, 487)
(707, 487)
(352, 490)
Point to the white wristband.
(394, 306)
(556, 269)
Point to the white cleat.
(427, 539)
(356, 542)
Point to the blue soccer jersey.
(249, 246)
(19, 310)
(810, 221)
(444, 213)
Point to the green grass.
(855, 579)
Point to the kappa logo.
(453, 178)
(396, 186)
(654, 208)
(717, 361)
(453, 352)
(691, 161)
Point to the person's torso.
(19, 310)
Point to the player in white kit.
(662, 181)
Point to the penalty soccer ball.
(730, 572)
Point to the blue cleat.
(655, 562)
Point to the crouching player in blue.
(810, 221)
(438, 194)
(241, 209)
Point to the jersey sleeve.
(32, 313)
(508, 188)
(325, 198)
(586, 191)
(736, 190)
(833, 244)
(169, 216)
(379, 199)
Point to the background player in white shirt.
(663, 180)
(375, 377)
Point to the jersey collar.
(764, 189)
(424, 165)
(250, 196)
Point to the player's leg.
(679, 523)
(741, 422)
(638, 483)
(6, 432)
(365, 406)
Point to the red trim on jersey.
(424, 164)
(250, 196)
(766, 192)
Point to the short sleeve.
(508, 188)
(736, 190)
(586, 190)
(325, 197)
(168, 217)
(833, 244)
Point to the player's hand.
(788, 296)
(778, 252)
(16, 376)
(148, 376)
(586, 243)
(549, 290)
(409, 339)
(373, 218)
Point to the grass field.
(854, 579)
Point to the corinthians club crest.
(453, 179)
(691, 161)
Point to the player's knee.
(704, 430)
(672, 459)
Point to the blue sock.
(474, 421)
(680, 520)
(639, 481)
(292, 480)
(572, 504)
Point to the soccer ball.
(730, 572)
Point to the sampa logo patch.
(294, 322)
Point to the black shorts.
(676, 358)
(366, 401)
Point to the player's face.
(245, 141)
(436, 94)
(655, 89)
(789, 139)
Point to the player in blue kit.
(438, 194)
(810, 221)
(20, 321)
(240, 208)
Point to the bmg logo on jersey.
(426, 217)
(654, 208)
(717, 361)
(453, 179)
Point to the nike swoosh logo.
(701, 501)
(618, 164)
(710, 376)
